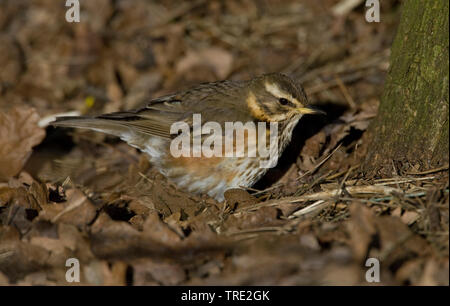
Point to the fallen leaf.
(219, 60)
(101, 273)
(239, 198)
(77, 210)
(19, 133)
(362, 230)
(147, 272)
(409, 217)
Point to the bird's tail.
(111, 127)
(153, 146)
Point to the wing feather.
(216, 101)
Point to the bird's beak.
(310, 110)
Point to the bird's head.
(276, 97)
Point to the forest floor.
(314, 219)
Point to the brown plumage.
(268, 98)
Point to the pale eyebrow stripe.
(277, 92)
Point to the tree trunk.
(412, 124)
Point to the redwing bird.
(267, 98)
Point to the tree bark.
(412, 125)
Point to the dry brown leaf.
(239, 198)
(435, 273)
(149, 272)
(159, 231)
(263, 217)
(9, 61)
(101, 273)
(219, 60)
(398, 242)
(409, 217)
(19, 258)
(3, 280)
(19, 133)
(362, 229)
(77, 210)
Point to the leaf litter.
(314, 219)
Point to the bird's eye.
(283, 101)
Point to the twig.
(443, 168)
(407, 180)
(320, 163)
(325, 195)
(69, 208)
(318, 205)
(255, 230)
(145, 177)
(345, 92)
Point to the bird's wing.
(214, 101)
